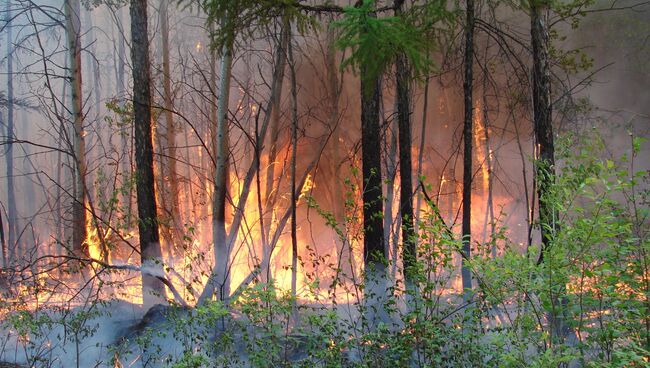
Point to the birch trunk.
(221, 249)
(253, 169)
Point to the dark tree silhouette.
(150, 253)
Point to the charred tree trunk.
(374, 254)
(150, 253)
(468, 132)
(73, 26)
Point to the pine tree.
(150, 252)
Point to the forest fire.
(308, 183)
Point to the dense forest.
(324, 183)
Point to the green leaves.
(228, 19)
(375, 42)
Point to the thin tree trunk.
(529, 201)
(468, 132)
(345, 258)
(150, 253)
(282, 221)
(243, 197)
(90, 64)
(212, 129)
(162, 190)
(274, 137)
(375, 251)
(126, 134)
(221, 250)
(489, 216)
(543, 127)
(170, 128)
(60, 223)
(5, 261)
(545, 161)
(418, 202)
(391, 237)
(93, 66)
(189, 194)
(294, 196)
(409, 245)
(73, 26)
(12, 216)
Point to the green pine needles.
(376, 42)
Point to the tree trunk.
(344, 251)
(375, 251)
(212, 135)
(92, 64)
(60, 173)
(73, 26)
(294, 195)
(405, 170)
(542, 124)
(468, 133)
(391, 238)
(274, 136)
(373, 242)
(489, 216)
(221, 249)
(126, 134)
(12, 216)
(545, 160)
(150, 253)
(3, 243)
(238, 213)
(282, 220)
(423, 132)
(170, 135)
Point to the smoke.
(618, 42)
(328, 149)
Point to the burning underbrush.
(587, 303)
